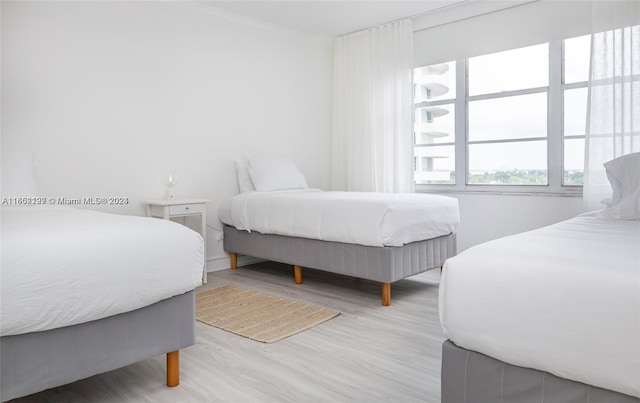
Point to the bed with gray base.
(468, 376)
(548, 315)
(113, 290)
(36, 361)
(382, 264)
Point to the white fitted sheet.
(563, 299)
(370, 219)
(64, 266)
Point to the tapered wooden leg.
(386, 294)
(173, 368)
(297, 273)
(234, 261)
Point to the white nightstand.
(167, 209)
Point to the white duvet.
(371, 219)
(63, 266)
(563, 299)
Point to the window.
(507, 121)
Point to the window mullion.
(461, 124)
(506, 94)
(555, 145)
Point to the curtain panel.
(372, 131)
(613, 126)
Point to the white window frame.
(555, 132)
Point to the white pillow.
(18, 175)
(624, 175)
(244, 180)
(627, 209)
(275, 174)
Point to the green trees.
(517, 177)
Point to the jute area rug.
(258, 316)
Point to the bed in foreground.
(548, 315)
(85, 292)
(382, 237)
(551, 314)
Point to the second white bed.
(370, 219)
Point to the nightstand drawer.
(182, 209)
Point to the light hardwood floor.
(369, 353)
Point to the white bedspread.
(563, 299)
(63, 266)
(371, 219)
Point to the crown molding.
(461, 11)
(208, 10)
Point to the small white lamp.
(171, 191)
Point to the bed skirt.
(36, 361)
(384, 264)
(468, 376)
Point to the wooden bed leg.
(386, 294)
(297, 273)
(234, 261)
(173, 368)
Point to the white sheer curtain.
(613, 126)
(372, 139)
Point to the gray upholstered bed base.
(468, 376)
(33, 362)
(383, 264)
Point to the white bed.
(553, 313)
(375, 236)
(63, 266)
(564, 299)
(363, 218)
(68, 272)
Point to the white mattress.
(371, 219)
(563, 299)
(63, 266)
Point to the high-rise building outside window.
(434, 132)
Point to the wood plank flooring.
(369, 353)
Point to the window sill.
(501, 192)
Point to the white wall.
(522, 25)
(484, 217)
(112, 97)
